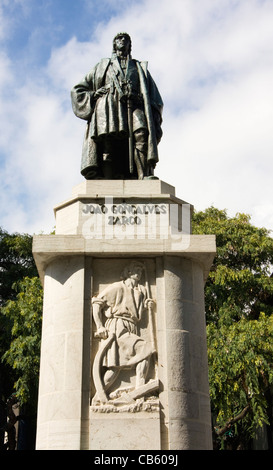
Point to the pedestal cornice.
(201, 248)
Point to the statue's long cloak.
(108, 114)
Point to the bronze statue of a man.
(123, 109)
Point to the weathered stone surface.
(132, 431)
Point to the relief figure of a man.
(117, 310)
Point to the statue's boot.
(140, 159)
(107, 166)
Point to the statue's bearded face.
(122, 43)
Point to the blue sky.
(213, 63)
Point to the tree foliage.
(241, 275)
(20, 329)
(240, 358)
(239, 307)
(23, 355)
(16, 262)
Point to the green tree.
(23, 354)
(16, 262)
(240, 358)
(239, 307)
(241, 275)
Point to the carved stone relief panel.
(124, 346)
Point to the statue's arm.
(83, 97)
(97, 305)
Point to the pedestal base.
(125, 431)
(76, 265)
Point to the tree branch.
(240, 416)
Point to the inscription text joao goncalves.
(110, 220)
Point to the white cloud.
(213, 64)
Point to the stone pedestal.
(100, 230)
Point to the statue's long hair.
(130, 268)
